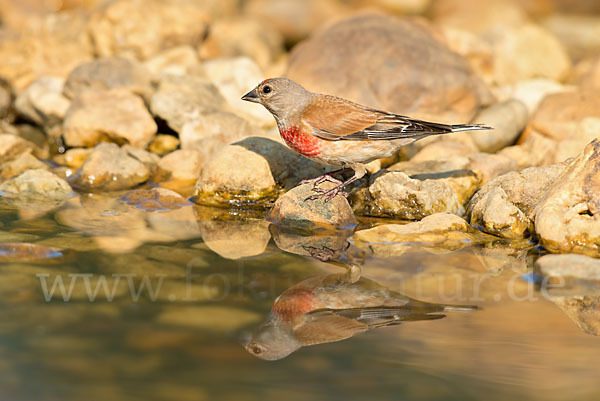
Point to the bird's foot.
(321, 179)
(328, 194)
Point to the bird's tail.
(469, 127)
(460, 308)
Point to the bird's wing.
(336, 119)
(323, 326)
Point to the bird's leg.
(359, 172)
(327, 177)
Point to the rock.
(235, 238)
(181, 165)
(531, 92)
(109, 73)
(295, 20)
(478, 52)
(291, 210)
(243, 36)
(42, 102)
(12, 146)
(56, 46)
(400, 7)
(583, 311)
(535, 150)
(139, 29)
(163, 144)
(6, 98)
(154, 199)
(479, 17)
(508, 119)
(437, 229)
(173, 61)
(233, 76)
(180, 99)
(141, 155)
(587, 130)
(528, 51)
(387, 60)
(114, 114)
(109, 168)
(567, 219)
(580, 34)
(502, 207)
(573, 270)
(25, 161)
(442, 149)
(73, 158)
(323, 246)
(587, 74)
(253, 171)
(559, 114)
(36, 184)
(489, 166)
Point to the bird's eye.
(267, 89)
(256, 350)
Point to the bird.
(338, 132)
(333, 307)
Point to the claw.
(320, 180)
(327, 194)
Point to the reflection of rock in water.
(335, 307)
(584, 311)
(497, 256)
(321, 247)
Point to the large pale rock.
(560, 114)
(445, 147)
(293, 211)
(567, 219)
(580, 34)
(42, 102)
(174, 61)
(243, 36)
(56, 46)
(181, 99)
(141, 28)
(392, 64)
(478, 52)
(38, 183)
(503, 205)
(181, 165)
(12, 146)
(109, 73)
(489, 166)
(571, 268)
(253, 171)
(25, 161)
(109, 168)
(115, 114)
(535, 150)
(508, 119)
(531, 92)
(234, 76)
(587, 74)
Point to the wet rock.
(25, 161)
(252, 171)
(583, 311)
(567, 219)
(42, 102)
(489, 166)
(235, 238)
(175, 61)
(141, 28)
(560, 114)
(295, 20)
(163, 144)
(292, 210)
(508, 119)
(73, 158)
(531, 92)
(108, 73)
(243, 36)
(503, 206)
(116, 115)
(181, 165)
(53, 49)
(12, 146)
(155, 199)
(180, 99)
(580, 34)
(440, 230)
(535, 150)
(390, 68)
(234, 76)
(109, 168)
(578, 274)
(36, 184)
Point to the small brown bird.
(335, 307)
(338, 132)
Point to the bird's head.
(272, 341)
(283, 97)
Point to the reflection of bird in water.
(335, 307)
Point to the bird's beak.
(251, 96)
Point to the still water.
(165, 304)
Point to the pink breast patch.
(305, 144)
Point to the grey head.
(272, 341)
(283, 97)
